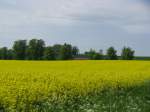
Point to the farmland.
(72, 86)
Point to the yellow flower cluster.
(23, 83)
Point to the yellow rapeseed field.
(29, 82)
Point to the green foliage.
(131, 99)
(66, 52)
(4, 53)
(75, 51)
(10, 54)
(35, 49)
(90, 53)
(93, 55)
(127, 53)
(49, 53)
(97, 56)
(57, 49)
(19, 49)
(111, 53)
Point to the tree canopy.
(19, 49)
(111, 53)
(127, 53)
(36, 49)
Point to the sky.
(96, 24)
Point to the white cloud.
(106, 20)
(69, 12)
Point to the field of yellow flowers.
(73, 86)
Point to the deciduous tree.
(36, 49)
(127, 53)
(19, 48)
(66, 52)
(49, 53)
(111, 53)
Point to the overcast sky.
(88, 24)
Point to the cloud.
(68, 20)
(70, 12)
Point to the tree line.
(111, 54)
(36, 49)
